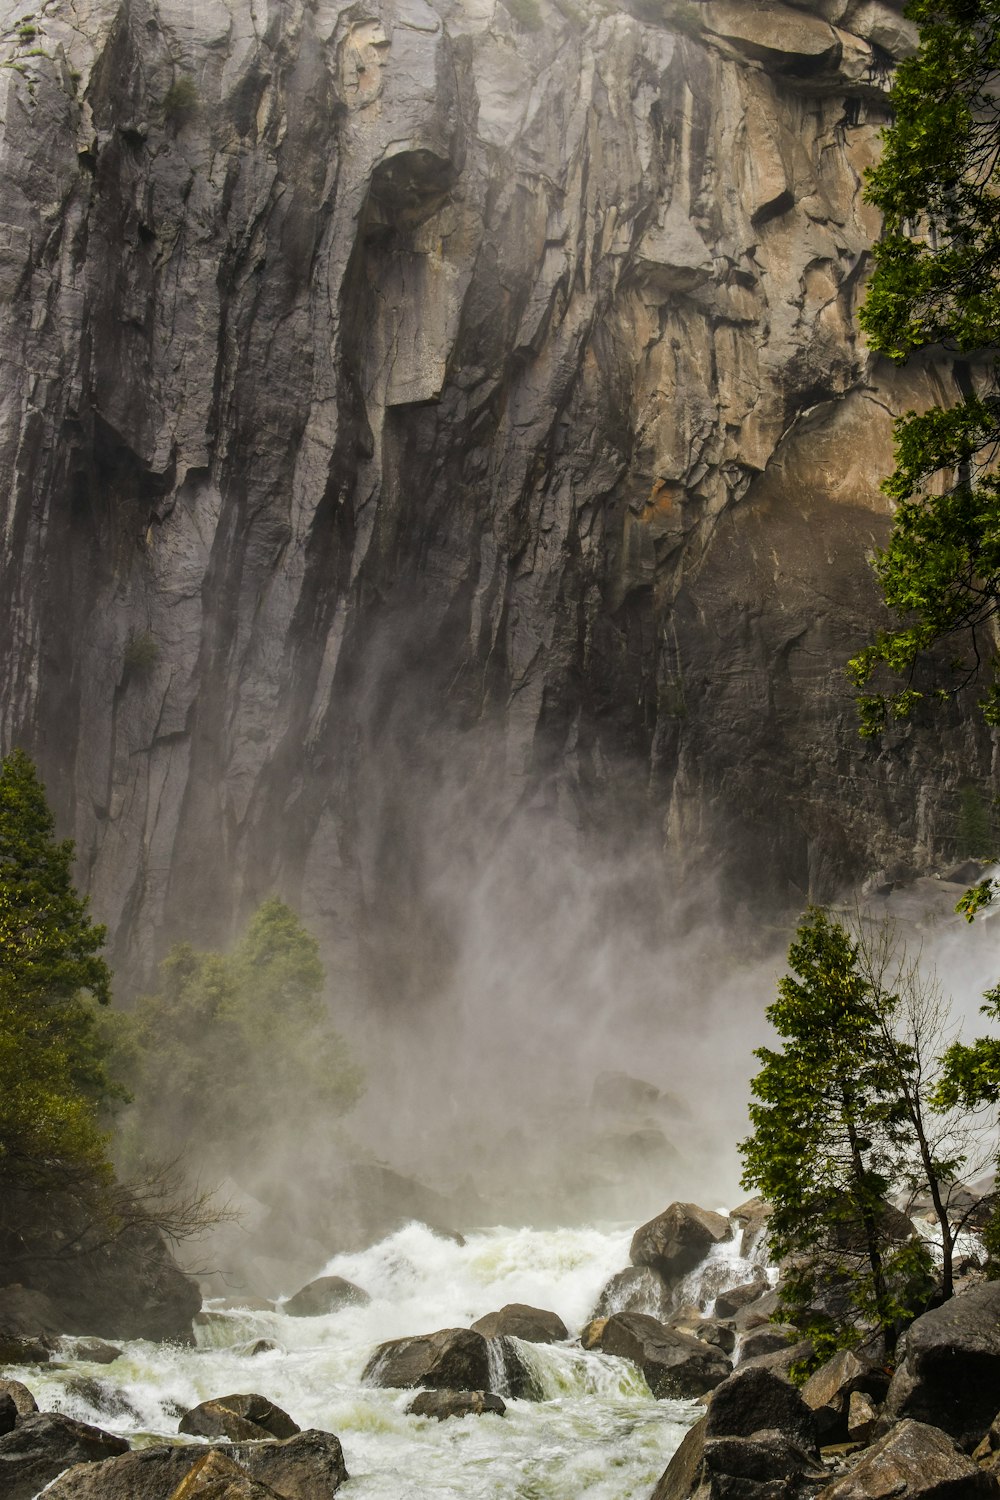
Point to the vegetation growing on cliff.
(937, 282)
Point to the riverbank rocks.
(829, 1390)
(636, 1289)
(308, 1466)
(755, 1400)
(325, 1295)
(24, 1402)
(949, 1375)
(8, 1414)
(239, 1418)
(914, 1462)
(678, 1240)
(451, 1359)
(216, 1477)
(41, 1446)
(727, 1304)
(673, 1363)
(445, 1404)
(751, 1217)
(518, 1321)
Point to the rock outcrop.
(373, 371)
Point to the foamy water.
(597, 1433)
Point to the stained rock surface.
(372, 371)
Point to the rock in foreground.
(950, 1373)
(239, 1418)
(533, 1324)
(913, 1462)
(40, 1447)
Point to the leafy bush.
(180, 102)
(142, 651)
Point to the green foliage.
(180, 102)
(53, 1077)
(231, 1044)
(937, 281)
(831, 1135)
(142, 651)
(527, 14)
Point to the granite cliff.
(401, 396)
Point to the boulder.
(758, 1313)
(532, 1324)
(861, 1415)
(8, 1414)
(22, 1398)
(106, 1397)
(308, 1466)
(239, 1418)
(146, 1474)
(444, 1404)
(590, 1334)
(451, 1359)
(324, 1295)
(710, 1330)
(949, 1376)
(215, 1476)
(43, 1445)
(782, 1361)
(26, 1313)
(677, 1240)
(673, 1363)
(754, 1400)
(767, 1466)
(783, 40)
(751, 1217)
(829, 1389)
(636, 1289)
(94, 1351)
(727, 1304)
(771, 1338)
(513, 1374)
(915, 1462)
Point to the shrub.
(180, 102)
(142, 651)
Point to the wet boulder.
(729, 1303)
(753, 1400)
(673, 1363)
(325, 1295)
(41, 1446)
(308, 1466)
(94, 1351)
(636, 1289)
(239, 1418)
(590, 1334)
(8, 1414)
(23, 1400)
(445, 1404)
(532, 1324)
(949, 1376)
(768, 1465)
(451, 1359)
(829, 1389)
(751, 1218)
(914, 1462)
(147, 1474)
(215, 1476)
(678, 1240)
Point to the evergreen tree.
(937, 282)
(53, 1077)
(831, 1136)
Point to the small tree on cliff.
(937, 282)
(830, 1138)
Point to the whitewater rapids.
(598, 1432)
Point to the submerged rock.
(238, 1418)
(914, 1462)
(678, 1240)
(451, 1359)
(516, 1320)
(41, 1446)
(949, 1375)
(673, 1363)
(324, 1295)
(444, 1404)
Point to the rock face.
(377, 371)
(950, 1373)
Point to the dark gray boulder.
(146, 1474)
(308, 1466)
(43, 1445)
(677, 1240)
(516, 1320)
(324, 1295)
(232, 1416)
(451, 1359)
(766, 1466)
(673, 1363)
(8, 1413)
(757, 1400)
(727, 1304)
(949, 1376)
(445, 1404)
(771, 1338)
(913, 1461)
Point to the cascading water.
(596, 1432)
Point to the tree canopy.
(937, 283)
